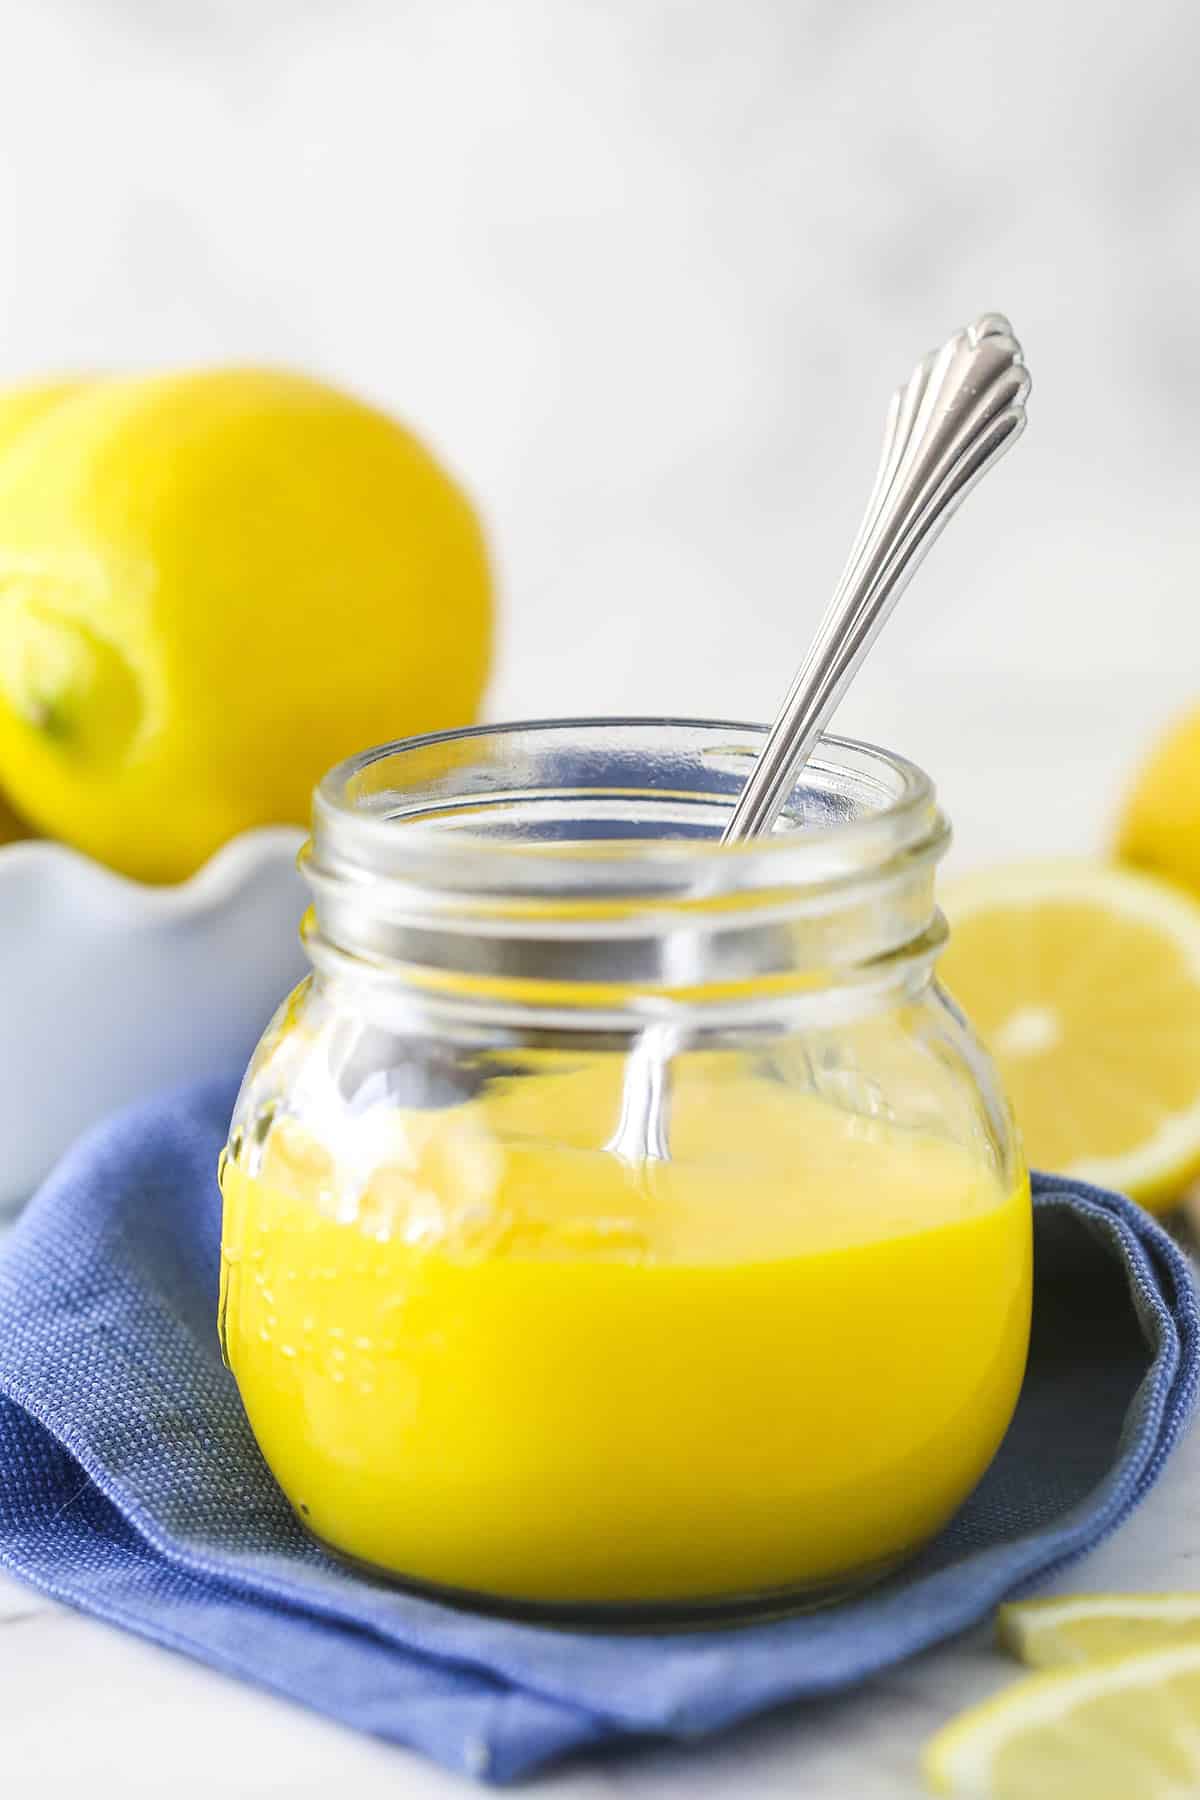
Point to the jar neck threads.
(569, 874)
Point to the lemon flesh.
(1080, 1628)
(1110, 1730)
(213, 586)
(1084, 981)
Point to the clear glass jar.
(488, 1355)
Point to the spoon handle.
(961, 409)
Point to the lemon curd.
(502, 1362)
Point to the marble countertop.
(86, 1709)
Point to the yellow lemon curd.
(506, 1363)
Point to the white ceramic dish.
(110, 989)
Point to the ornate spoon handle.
(959, 412)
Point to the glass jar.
(486, 1350)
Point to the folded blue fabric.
(130, 1485)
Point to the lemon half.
(1079, 1628)
(1109, 1730)
(1084, 981)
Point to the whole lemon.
(20, 407)
(214, 585)
(1160, 827)
(11, 828)
(23, 404)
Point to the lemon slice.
(1084, 981)
(1127, 1728)
(1078, 1628)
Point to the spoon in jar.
(960, 410)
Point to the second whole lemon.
(214, 585)
(1160, 827)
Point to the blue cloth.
(130, 1485)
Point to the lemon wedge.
(1084, 981)
(1081, 1628)
(1111, 1730)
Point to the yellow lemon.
(1084, 981)
(1160, 829)
(213, 585)
(25, 403)
(22, 406)
(11, 827)
(1079, 1628)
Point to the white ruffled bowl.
(110, 989)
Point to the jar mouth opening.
(575, 866)
(594, 806)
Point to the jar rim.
(571, 867)
(414, 828)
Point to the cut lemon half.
(1084, 981)
(1127, 1728)
(1082, 1628)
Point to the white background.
(645, 272)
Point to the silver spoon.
(961, 409)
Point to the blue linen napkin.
(130, 1485)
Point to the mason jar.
(499, 1344)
